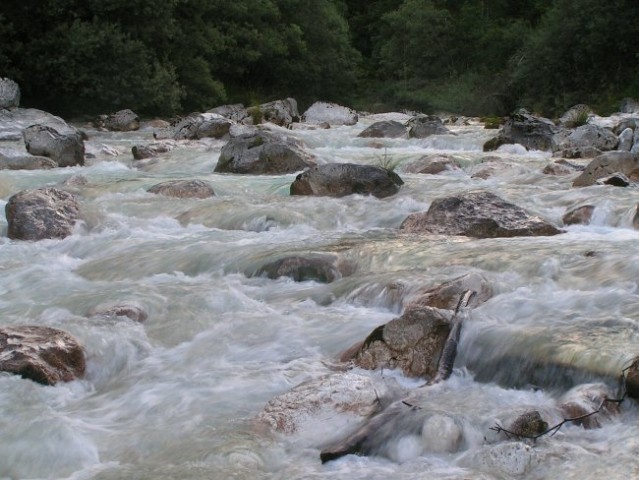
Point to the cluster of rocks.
(418, 126)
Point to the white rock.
(331, 113)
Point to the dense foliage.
(466, 56)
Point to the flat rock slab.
(479, 215)
(41, 213)
(42, 354)
(13, 122)
(341, 179)
(184, 189)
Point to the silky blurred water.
(176, 397)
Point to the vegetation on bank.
(476, 57)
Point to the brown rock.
(446, 296)
(42, 354)
(579, 216)
(183, 189)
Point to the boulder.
(140, 152)
(590, 136)
(422, 126)
(329, 407)
(280, 112)
(534, 133)
(329, 113)
(432, 164)
(13, 122)
(132, 311)
(319, 268)
(42, 354)
(579, 216)
(557, 169)
(121, 121)
(183, 189)
(446, 295)
(626, 140)
(606, 164)
(629, 105)
(384, 129)
(631, 123)
(477, 214)
(196, 126)
(19, 161)
(262, 153)
(236, 112)
(9, 93)
(67, 150)
(412, 343)
(341, 179)
(41, 213)
(616, 179)
(576, 116)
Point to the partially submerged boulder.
(477, 214)
(196, 126)
(412, 343)
(423, 126)
(184, 189)
(385, 129)
(446, 295)
(9, 93)
(262, 153)
(120, 121)
(131, 310)
(607, 164)
(579, 216)
(41, 213)
(42, 354)
(25, 162)
(341, 179)
(140, 152)
(432, 164)
(67, 150)
(319, 268)
(329, 113)
(534, 133)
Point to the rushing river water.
(176, 397)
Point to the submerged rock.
(446, 295)
(432, 164)
(478, 214)
(579, 215)
(324, 268)
(67, 150)
(130, 310)
(341, 179)
(184, 189)
(607, 164)
(262, 153)
(41, 213)
(42, 354)
(329, 113)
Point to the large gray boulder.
(385, 129)
(534, 133)
(590, 136)
(329, 113)
(42, 354)
(140, 152)
(422, 126)
(41, 213)
(184, 189)
(120, 121)
(9, 93)
(606, 164)
(477, 214)
(235, 112)
(14, 121)
(280, 112)
(67, 150)
(262, 153)
(341, 179)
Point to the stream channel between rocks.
(177, 397)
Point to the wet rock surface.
(183, 189)
(607, 164)
(42, 354)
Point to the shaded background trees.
(466, 56)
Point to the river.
(176, 397)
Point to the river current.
(176, 397)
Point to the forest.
(472, 57)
